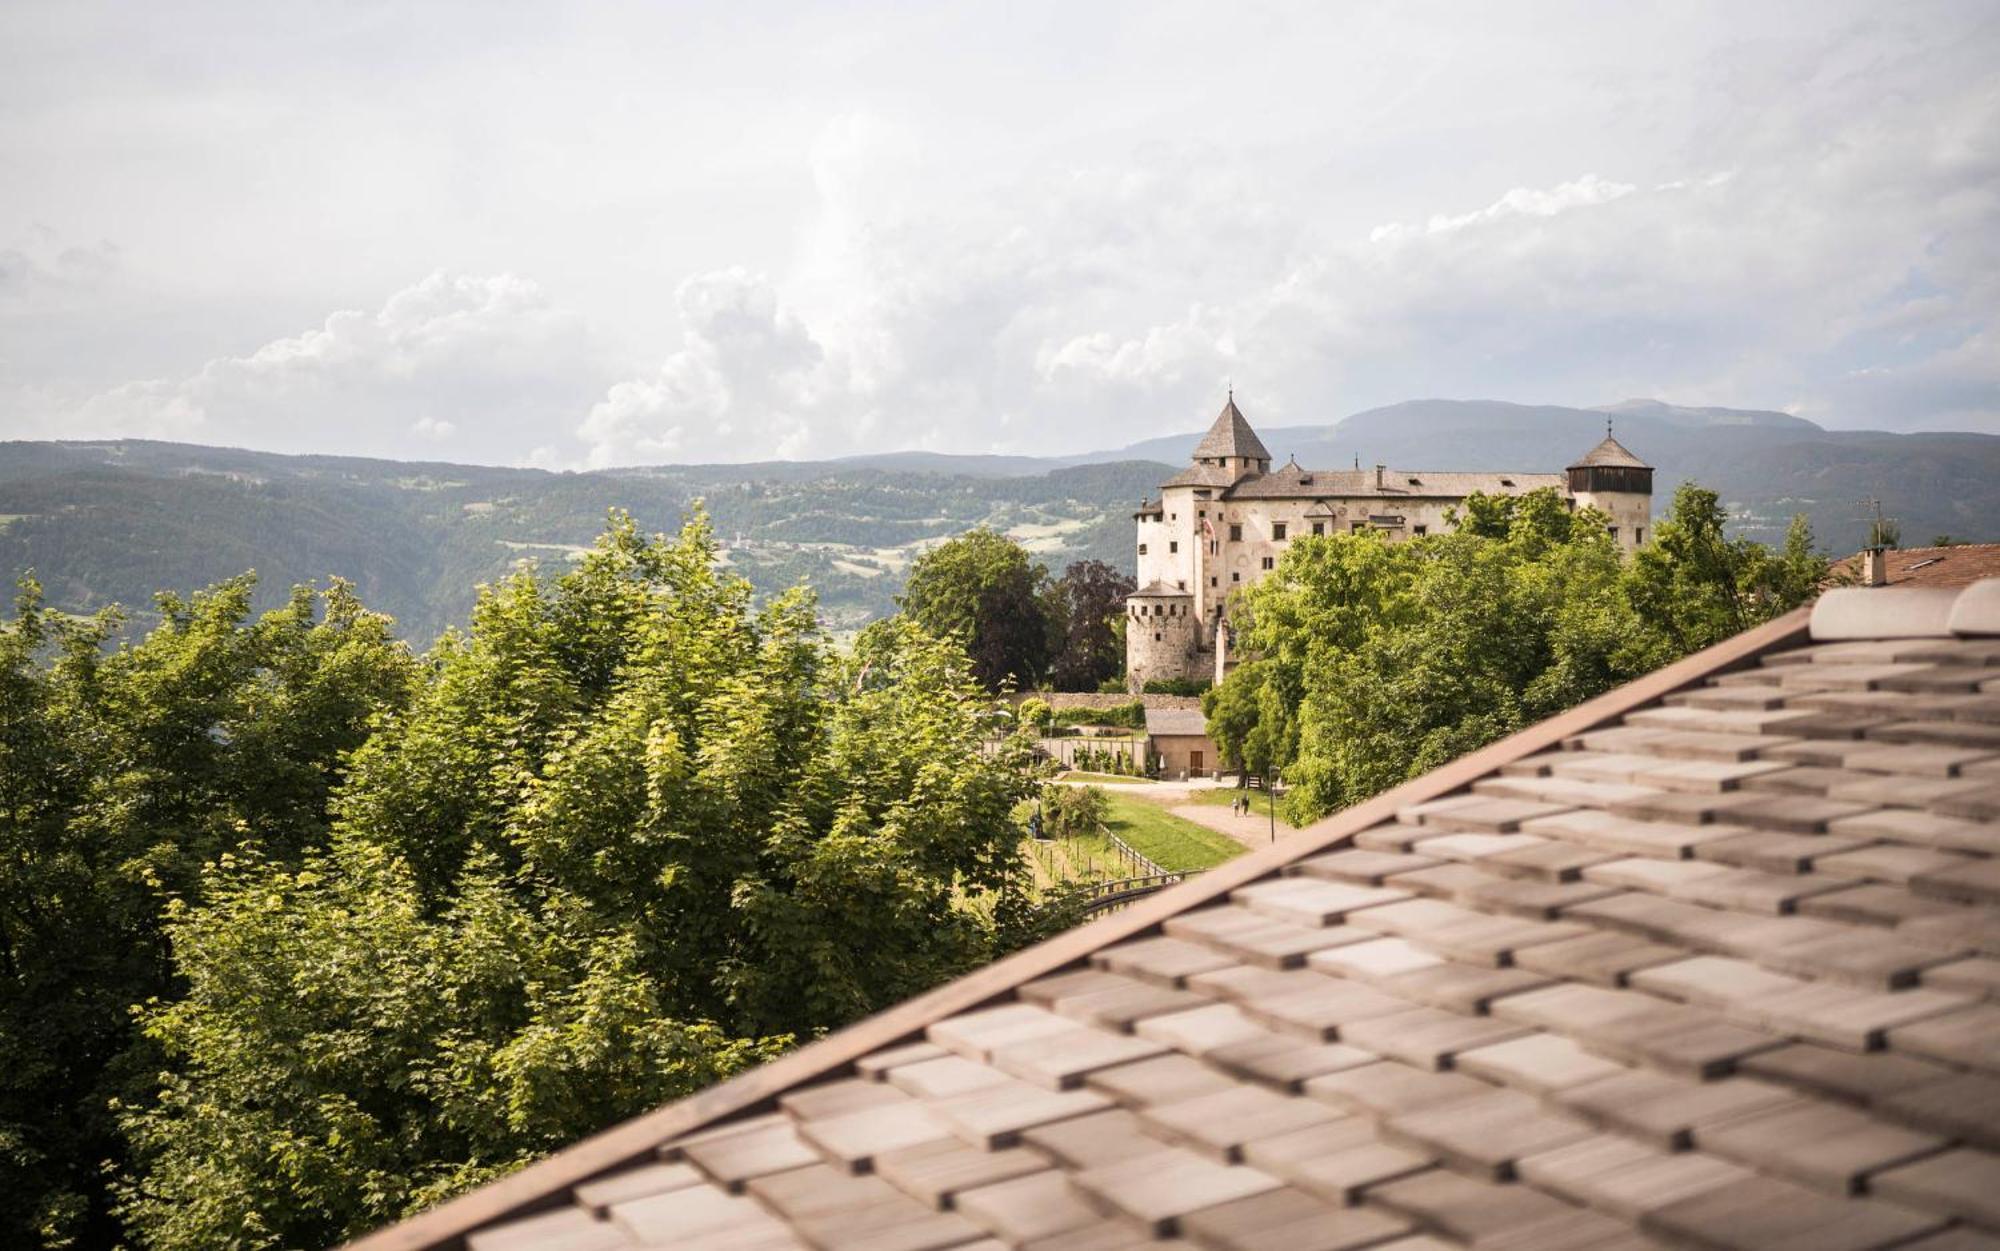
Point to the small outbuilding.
(1178, 737)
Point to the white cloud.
(448, 353)
(1520, 202)
(748, 382)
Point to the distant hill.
(115, 521)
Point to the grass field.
(1103, 779)
(1159, 835)
(1260, 801)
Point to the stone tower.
(1162, 636)
(1612, 480)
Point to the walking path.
(1252, 830)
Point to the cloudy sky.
(573, 235)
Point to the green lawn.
(1260, 801)
(1159, 835)
(1104, 779)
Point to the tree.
(982, 590)
(631, 835)
(1074, 810)
(1035, 714)
(122, 771)
(1088, 604)
(1370, 662)
(1696, 586)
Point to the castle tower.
(1620, 485)
(1161, 636)
(1231, 445)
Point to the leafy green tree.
(982, 590)
(1035, 714)
(1370, 662)
(123, 770)
(631, 835)
(1073, 810)
(1697, 586)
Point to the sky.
(576, 235)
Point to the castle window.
(1278, 530)
(1173, 547)
(1420, 529)
(1319, 527)
(1142, 549)
(1638, 534)
(1416, 482)
(1235, 577)
(1506, 482)
(1614, 534)
(1157, 637)
(1267, 562)
(1236, 534)
(1211, 581)
(1182, 584)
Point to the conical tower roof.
(1231, 435)
(1610, 452)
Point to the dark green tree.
(122, 771)
(982, 590)
(1088, 607)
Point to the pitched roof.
(1609, 453)
(1710, 959)
(1177, 722)
(1201, 475)
(1960, 565)
(1292, 482)
(1231, 435)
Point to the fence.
(1132, 856)
(1064, 750)
(1106, 896)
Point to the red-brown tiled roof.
(1960, 565)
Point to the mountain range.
(115, 521)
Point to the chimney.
(1874, 567)
(1378, 476)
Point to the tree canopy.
(123, 770)
(1019, 626)
(397, 925)
(1371, 662)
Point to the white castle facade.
(1221, 524)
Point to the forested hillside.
(103, 523)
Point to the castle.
(1221, 524)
